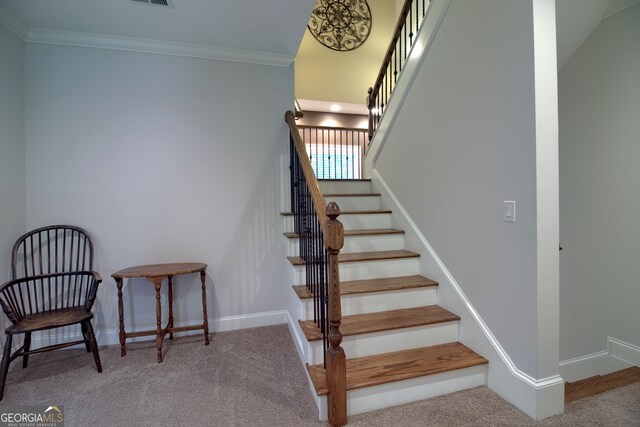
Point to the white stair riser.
(368, 270)
(411, 390)
(351, 222)
(356, 203)
(365, 221)
(344, 187)
(381, 242)
(373, 302)
(388, 341)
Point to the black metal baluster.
(312, 248)
(384, 89)
(291, 176)
(395, 64)
(388, 86)
(335, 155)
(361, 147)
(352, 157)
(294, 191)
(319, 155)
(389, 82)
(405, 41)
(410, 27)
(341, 157)
(323, 317)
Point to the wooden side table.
(156, 273)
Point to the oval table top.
(155, 270)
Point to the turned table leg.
(157, 281)
(205, 323)
(123, 348)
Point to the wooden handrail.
(309, 175)
(378, 95)
(392, 46)
(333, 240)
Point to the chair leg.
(94, 345)
(27, 347)
(6, 359)
(84, 335)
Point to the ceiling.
(326, 106)
(576, 19)
(260, 31)
(268, 26)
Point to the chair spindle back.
(52, 249)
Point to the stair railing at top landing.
(321, 237)
(335, 152)
(404, 36)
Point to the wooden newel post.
(335, 358)
(370, 104)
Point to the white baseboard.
(244, 321)
(623, 351)
(111, 336)
(590, 365)
(618, 355)
(538, 398)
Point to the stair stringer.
(538, 398)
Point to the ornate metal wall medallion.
(341, 24)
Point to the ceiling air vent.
(166, 3)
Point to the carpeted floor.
(252, 377)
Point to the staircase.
(400, 345)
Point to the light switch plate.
(510, 211)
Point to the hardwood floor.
(599, 384)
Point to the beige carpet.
(251, 377)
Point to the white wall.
(599, 105)
(163, 159)
(12, 161)
(463, 142)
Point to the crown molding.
(67, 38)
(13, 24)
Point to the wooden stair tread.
(364, 256)
(364, 212)
(345, 180)
(383, 321)
(353, 233)
(373, 285)
(376, 256)
(352, 195)
(400, 365)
